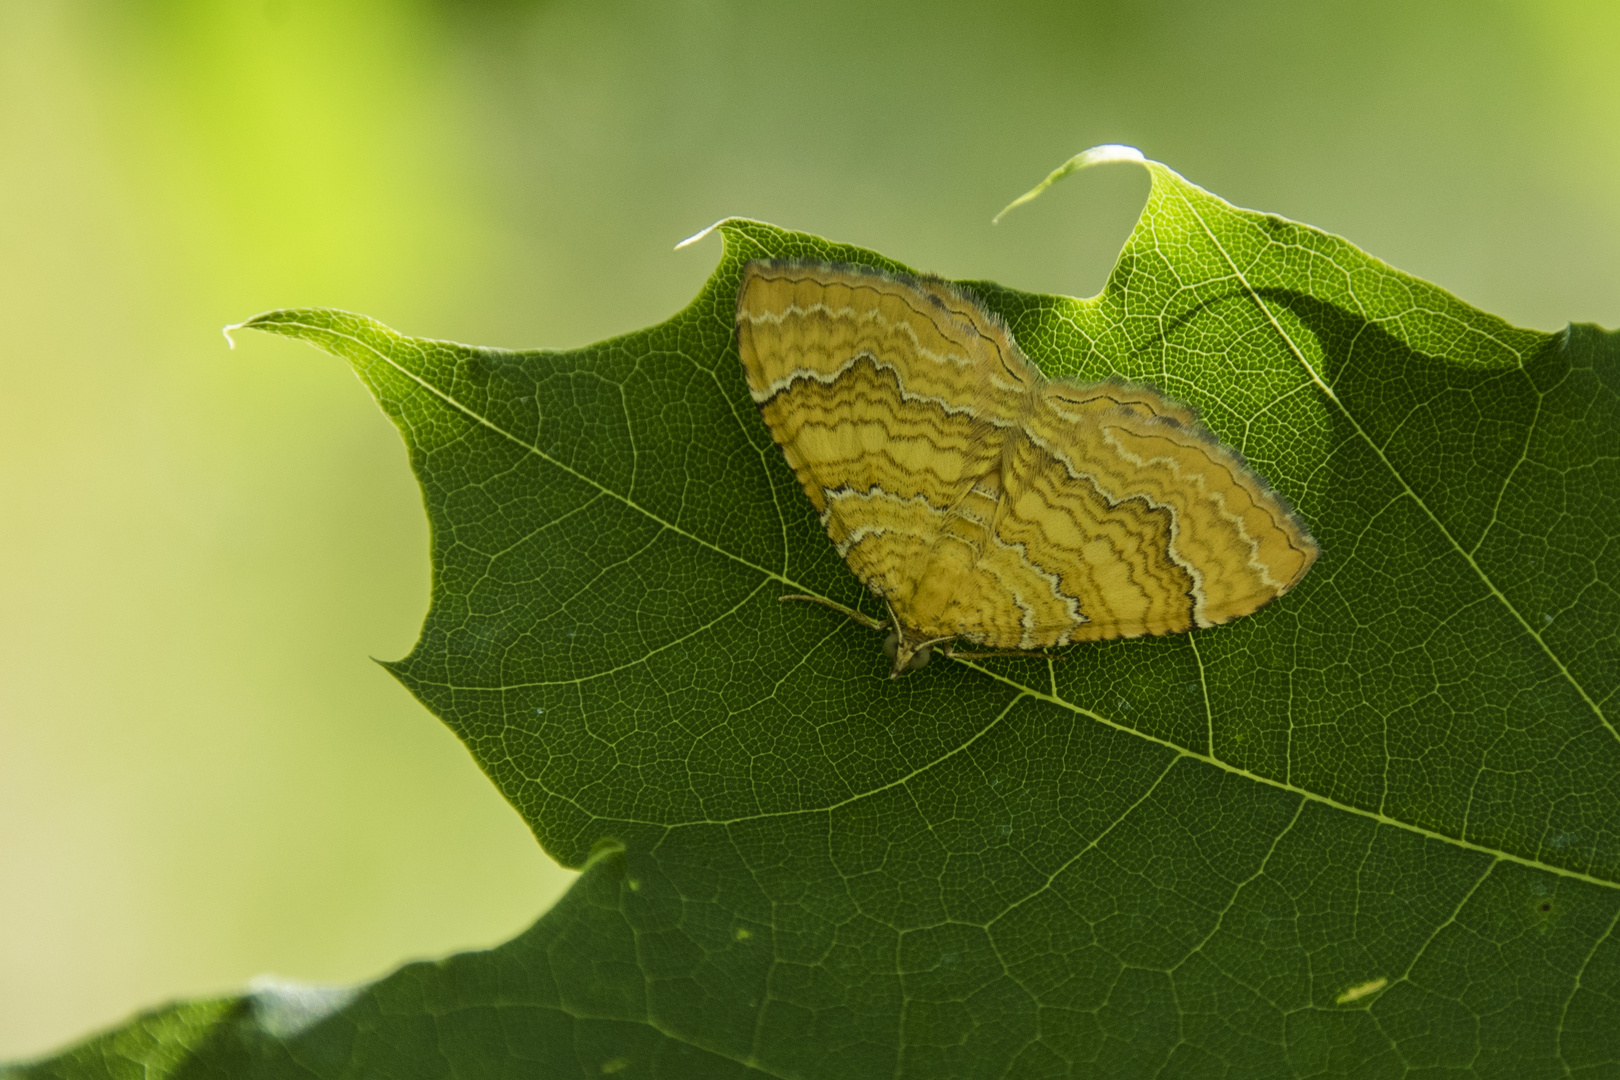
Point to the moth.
(984, 502)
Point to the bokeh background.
(202, 775)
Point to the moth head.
(908, 654)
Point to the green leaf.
(1372, 829)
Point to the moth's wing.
(879, 396)
(1001, 598)
(1075, 398)
(1143, 517)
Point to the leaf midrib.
(1025, 691)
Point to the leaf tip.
(257, 322)
(700, 234)
(1100, 155)
(1085, 159)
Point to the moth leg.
(998, 653)
(848, 612)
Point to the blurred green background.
(202, 775)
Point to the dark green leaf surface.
(1372, 830)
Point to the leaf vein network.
(1328, 391)
(1025, 690)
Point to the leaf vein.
(1327, 390)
